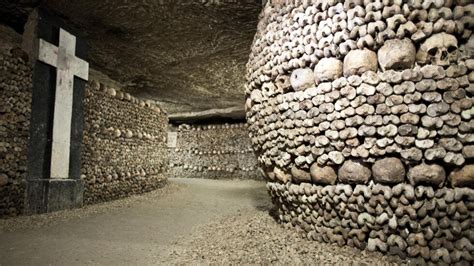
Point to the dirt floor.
(190, 221)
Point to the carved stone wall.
(124, 148)
(361, 114)
(217, 151)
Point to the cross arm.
(48, 53)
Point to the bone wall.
(124, 148)
(355, 93)
(15, 110)
(419, 223)
(217, 151)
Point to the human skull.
(302, 78)
(356, 62)
(327, 69)
(282, 83)
(397, 54)
(439, 49)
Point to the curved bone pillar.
(372, 153)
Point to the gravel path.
(190, 221)
(253, 237)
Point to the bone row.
(124, 145)
(107, 191)
(421, 223)
(212, 141)
(201, 168)
(122, 133)
(123, 96)
(15, 111)
(388, 171)
(213, 153)
(365, 117)
(187, 127)
(297, 34)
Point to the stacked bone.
(124, 147)
(217, 151)
(417, 222)
(15, 109)
(358, 92)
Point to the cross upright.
(68, 65)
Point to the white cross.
(68, 65)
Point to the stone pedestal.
(49, 195)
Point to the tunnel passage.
(211, 149)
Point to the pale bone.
(440, 49)
(328, 69)
(357, 62)
(397, 54)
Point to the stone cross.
(68, 65)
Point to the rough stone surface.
(177, 53)
(388, 171)
(354, 172)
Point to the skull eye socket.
(432, 51)
(452, 49)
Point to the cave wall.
(212, 151)
(124, 146)
(175, 52)
(361, 114)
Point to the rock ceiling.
(188, 55)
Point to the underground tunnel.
(236, 132)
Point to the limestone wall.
(124, 147)
(218, 151)
(15, 109)
(361, 113)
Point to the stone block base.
(420, 223)
(49, 195)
